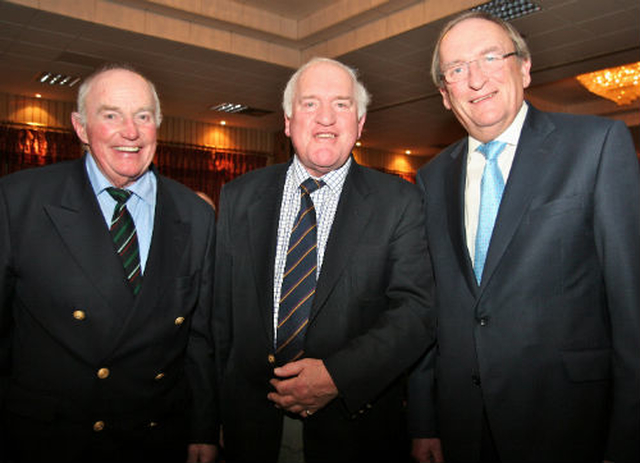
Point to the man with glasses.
(533, 222)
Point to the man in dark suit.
(105, 348)
(336, 394)
(538, 346)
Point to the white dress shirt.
(475, 166)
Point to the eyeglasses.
(489, 63)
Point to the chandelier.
(620, 84)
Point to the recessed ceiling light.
(223, 122)
(53, 78)
(358, 143)
(407, 152)
(38, 95)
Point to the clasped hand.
(302, 387)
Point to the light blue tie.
(491, 189)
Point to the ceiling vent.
(507, 10)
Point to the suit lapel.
(526, 173)
(79, 221)
(170, 241)
(352, 215)
(263, 217)
(455, 179)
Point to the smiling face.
(485, 103)
(120, 126)
(324, 124)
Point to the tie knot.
(119, 194)
(492, 149)
(310, 185)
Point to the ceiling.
(566, 37)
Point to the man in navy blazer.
(90, 371)
(342, 398)
(538, 351)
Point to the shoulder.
(262, 179)
(185, 199)
(388, 187)
(443, 159)
(41, 179)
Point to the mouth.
(325, 136)
(483, 98)
(127, 149)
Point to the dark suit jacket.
(371, 317)
(549, 344)
(66, 311)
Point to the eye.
(145, 117)
(491, 58)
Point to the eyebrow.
(118, 109)
(491, 49)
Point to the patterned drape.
(200, 168)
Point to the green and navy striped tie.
(123, 232)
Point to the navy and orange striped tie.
(299, 279)
(125, 238)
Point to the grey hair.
(521, 48)
(84, 88)
(360, 94)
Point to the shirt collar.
(334, 179)
(143, 187)
(511, 135)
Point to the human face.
(120, 127)
(485, 103)
(324, 124)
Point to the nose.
(129, 129)
(477, 76)
(325, 114)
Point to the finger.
(290, 369)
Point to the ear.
(287, 122)
(80, 129)
(445, 97)
(361, 125)
(525, 70)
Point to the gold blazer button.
(103, 373)
(179, 321)
(98, 426)
(79, 315)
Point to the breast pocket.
(557, 207)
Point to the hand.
(202, 453)
(425, 450)
(302, 387)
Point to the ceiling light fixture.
(508, 9)
(230, 108)
(63, 80)
(619, 84)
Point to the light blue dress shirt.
(141, 205)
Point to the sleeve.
(406, 325)
(200, 364)
(7, 283)
(617, 234)
(421, 416)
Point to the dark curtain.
(200, 168)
